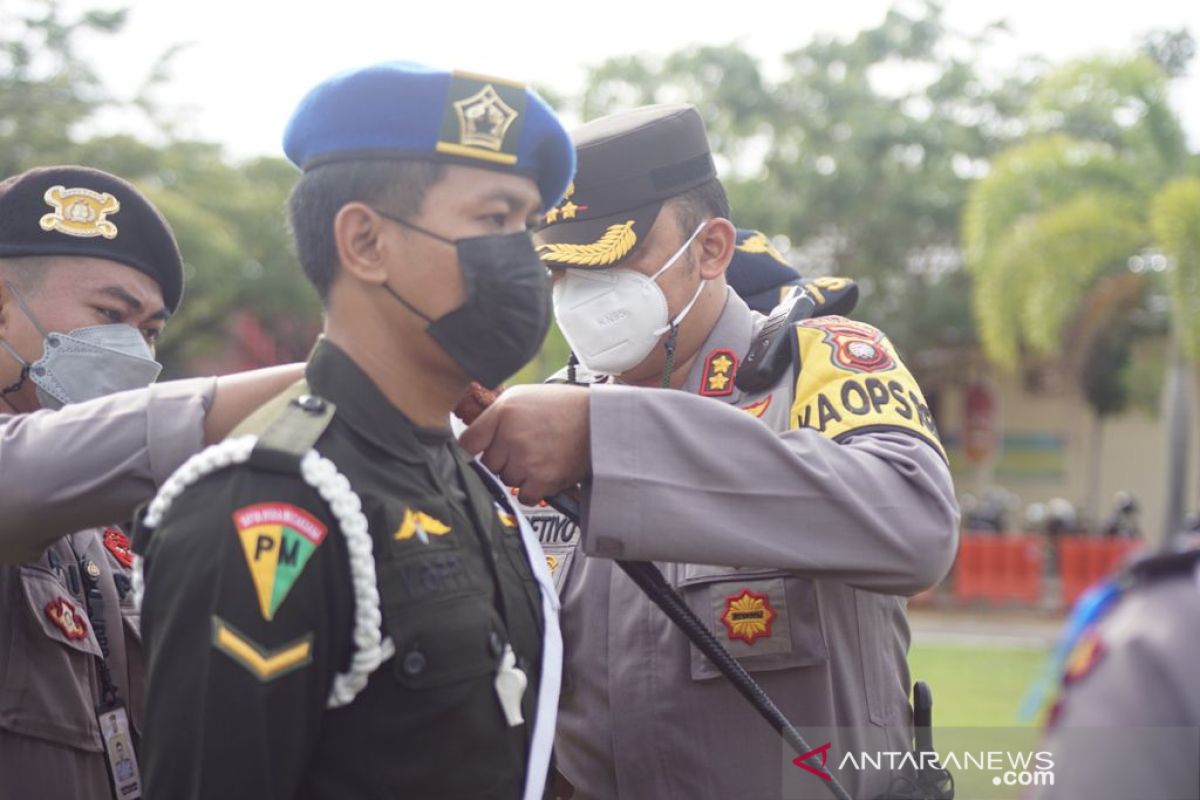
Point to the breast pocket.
(767, 619)
(47, 686)
(442, 624)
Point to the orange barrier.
(999, 568)
(1084, 560)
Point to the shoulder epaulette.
(287, 426)
(772, 349)
(1161, 565)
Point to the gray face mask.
(86, 363)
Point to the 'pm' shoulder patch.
(278, 539)
(263, 663)
(851, 379)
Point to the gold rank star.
(568, 210)
(718, 382)
(552, 216)
(721, 364)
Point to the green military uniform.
(249, 597)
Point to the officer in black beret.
(338, 604)
(89, 274)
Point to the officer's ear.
(715, 245)
(362, 248)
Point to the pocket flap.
(767, 620)
(59, 614)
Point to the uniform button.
(495, 644)
(93, 569)
(414, 663)
(310, 403)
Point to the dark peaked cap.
(627, 165)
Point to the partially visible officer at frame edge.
(758, 273)
(794, 520)
(89, 274)
(271, 670)
(1127, 720)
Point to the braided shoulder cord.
(371, 648)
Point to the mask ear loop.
(15, 387)
(28, 314)
(25, 365)
(673, 325)
(669, 365)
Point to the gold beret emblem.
(80, 212)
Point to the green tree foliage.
(1049, 233)
(228, 218)
(866, 179)
(1175, 220)
(46, 90)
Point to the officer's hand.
(534, 438)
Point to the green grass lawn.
(979, 687)
(976, 686)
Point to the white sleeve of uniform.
(682, 478)
(92, 463)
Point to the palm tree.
(1050, 232)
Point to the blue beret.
(758, 272)
(399, 109)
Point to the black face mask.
(502, 323)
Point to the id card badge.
(118, 750)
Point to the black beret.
(627, 165)
(758, 272)
(79, 211)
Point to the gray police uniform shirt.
(62, 471)
(91, 463)
(1127, 725)
(797, 550)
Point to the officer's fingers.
(532, 491)
(497, 459)
(480, 434)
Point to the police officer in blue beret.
(336, 603)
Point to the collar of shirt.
(733, 331)
(333, 375)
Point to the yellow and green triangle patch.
(277, 539)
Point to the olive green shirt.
(248, 615)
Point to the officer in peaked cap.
(89, 274)
(793, 512)
(337, 603)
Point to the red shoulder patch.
(63, 613)
(117, 543)
(856, 347)
(1083, 658)
(720, 368)
(759, 408)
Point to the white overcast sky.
(248, 61)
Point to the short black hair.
(398, 185)
(700, 203)
(27, 273)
